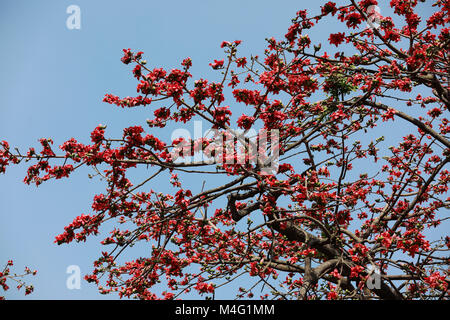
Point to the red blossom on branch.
(340, 199)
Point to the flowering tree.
(330, 213)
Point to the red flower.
(137, 71)
(355, 271)
(336, 38)
(218, 64)
(245, 122)
(353, 20)
(221, 116)
(203, 287)
(98, 134)
(187, 62)
(332, 295)
(329, 7)
(241, 62)
(435, 280)
(127, 56)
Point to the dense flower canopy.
(338, 215)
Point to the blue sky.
(52, 81)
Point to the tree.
(311, 204)
(5, 276)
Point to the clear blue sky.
(52, 81)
